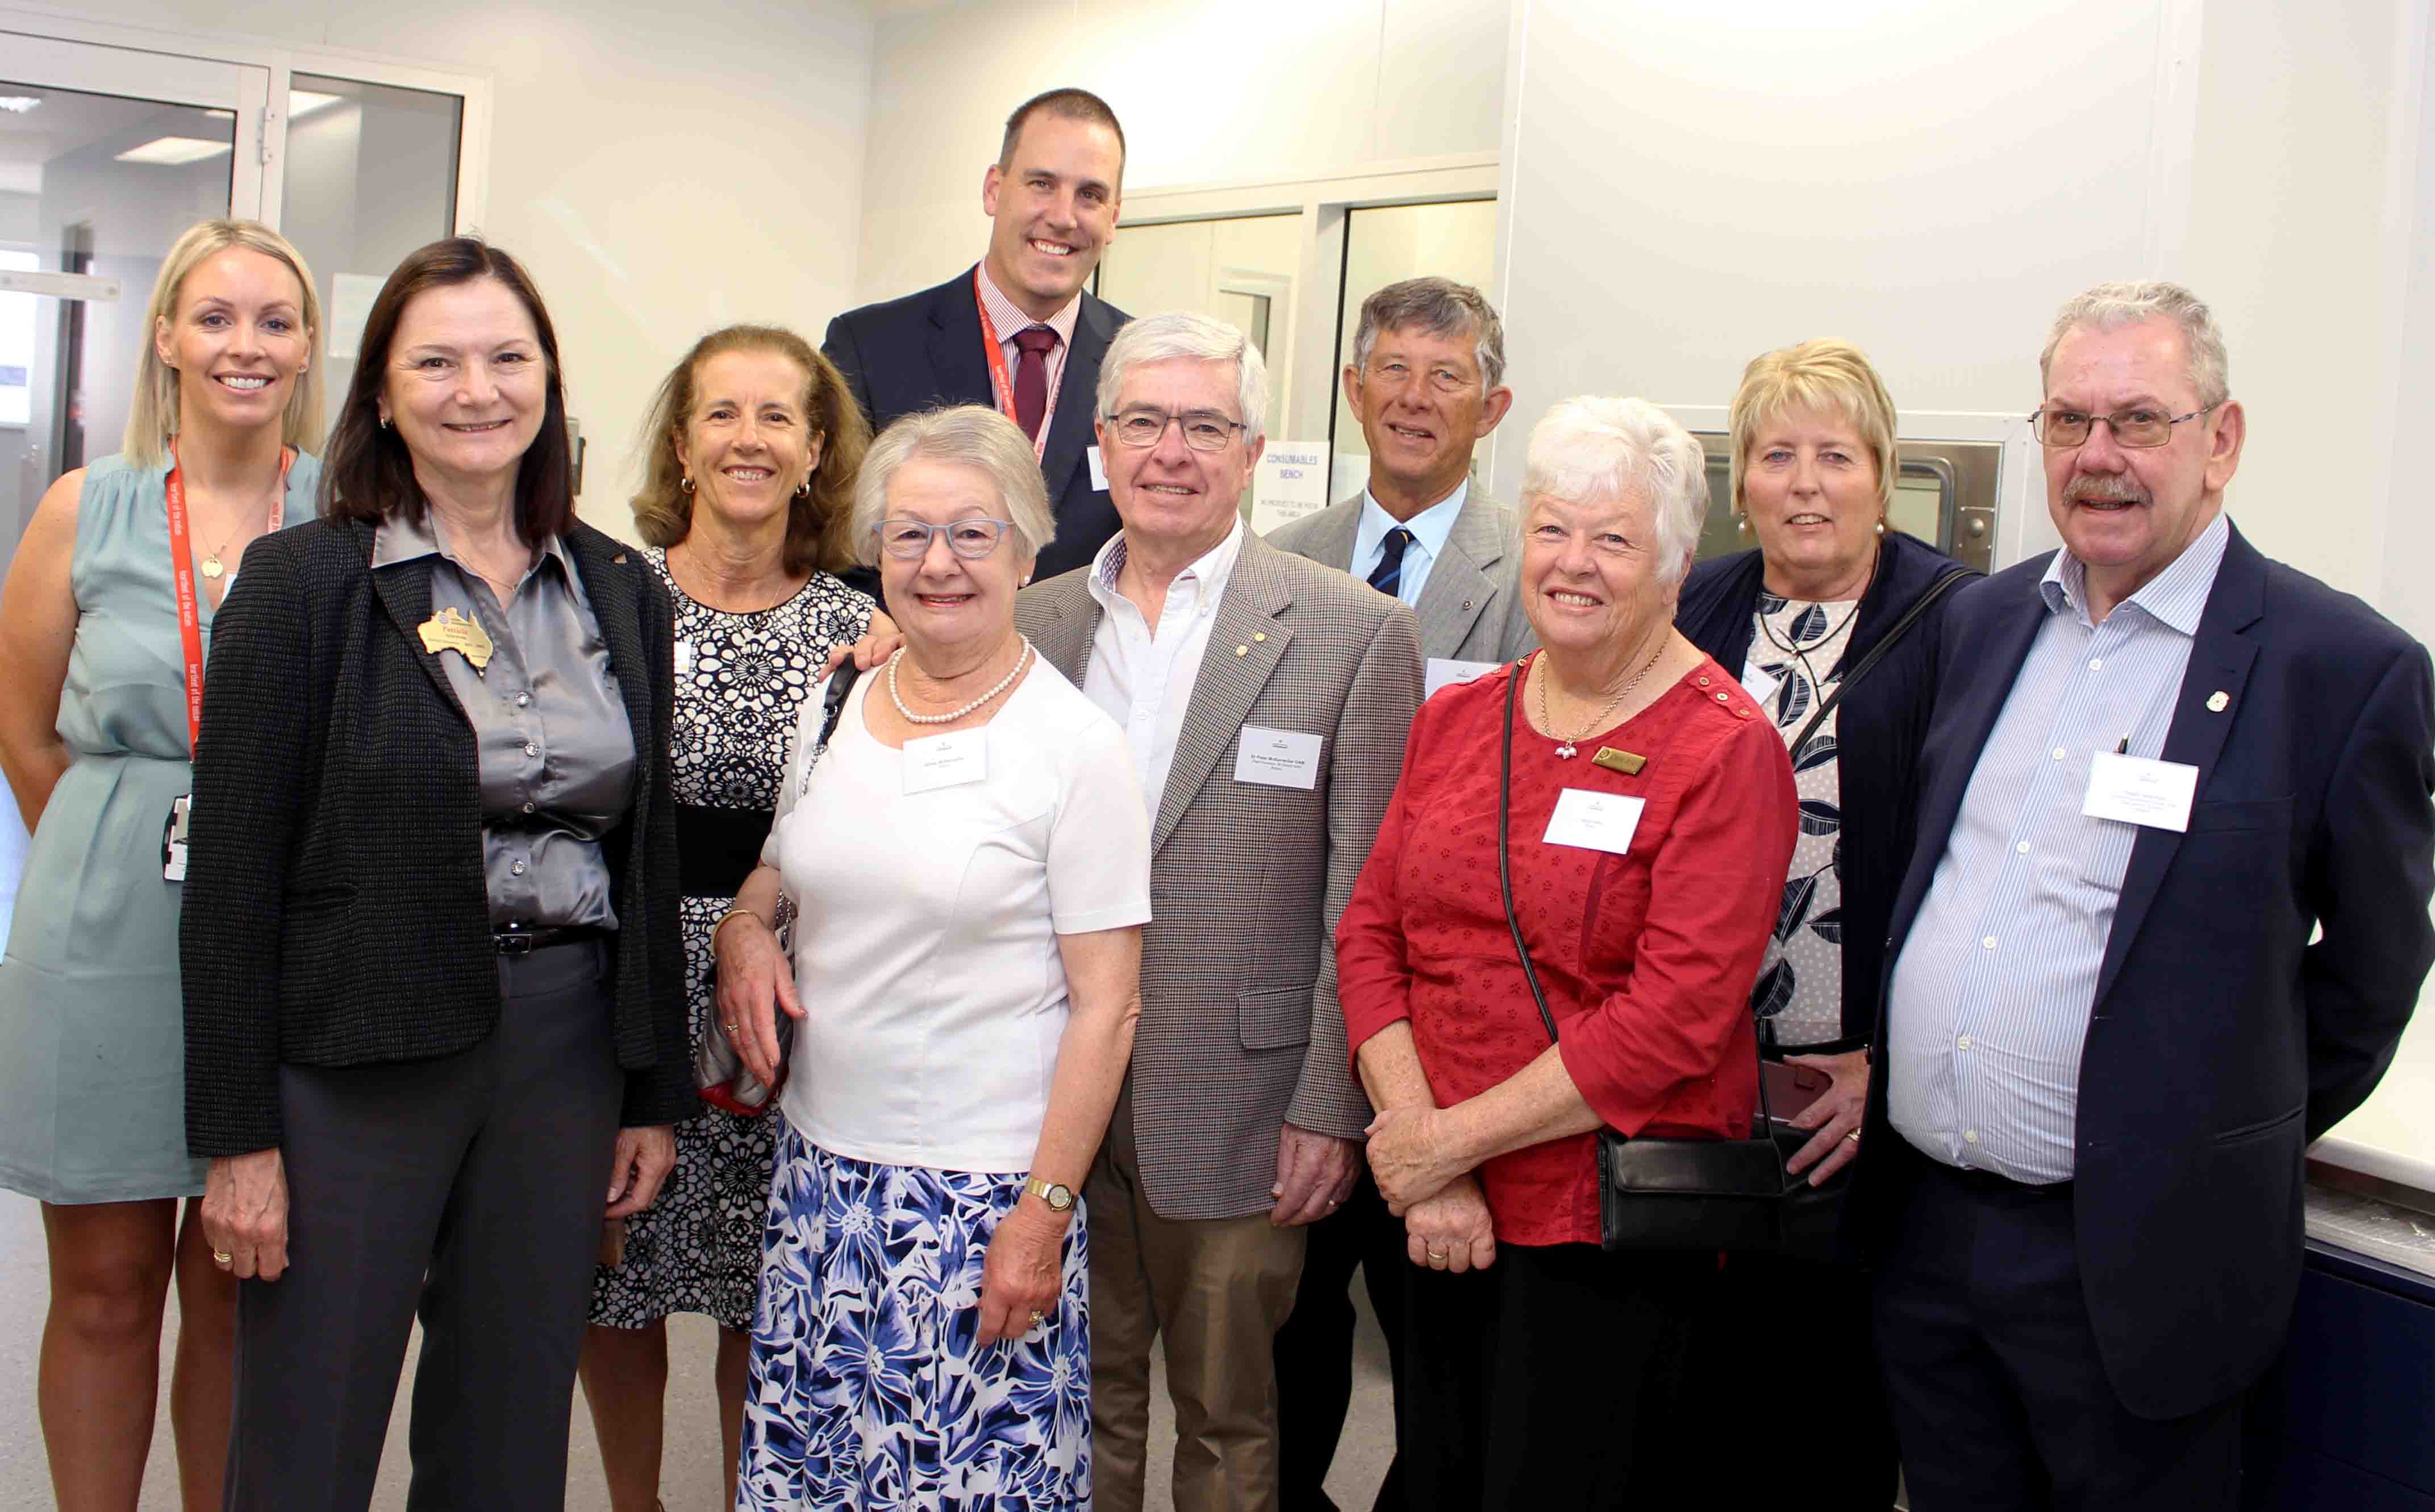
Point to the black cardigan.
(334, 910)
(1879, 726)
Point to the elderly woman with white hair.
(1616, 805)
(966, 856)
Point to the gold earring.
(685, 483)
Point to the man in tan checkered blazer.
(1265, 700)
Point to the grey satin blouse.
(557, 754)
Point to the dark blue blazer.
(924, 349)
(1878, 730)
(2221, 1041)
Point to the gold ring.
(728, 1024)
(1436, 1254)
(223, 1256)
(1854, 1135)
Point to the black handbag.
(1666, 1193)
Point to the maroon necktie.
(1033, 344)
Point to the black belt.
(1989, 1183)
(717, 849)
(519, 939)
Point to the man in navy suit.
(1017, 330)
(2158, 762)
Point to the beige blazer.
(1240, 1031)
(1471, 607)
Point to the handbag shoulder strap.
(1877, 653)
(1505, 870)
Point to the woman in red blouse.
(1652, 819)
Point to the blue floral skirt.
(867, 1389)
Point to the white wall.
(1256, 90)
(662, 171)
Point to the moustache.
(2104, 491)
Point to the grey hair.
(974, 436)
(1439, 306)
(1180, 333)
(2111, 306)
(1598, 447)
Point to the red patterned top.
(1647, 957)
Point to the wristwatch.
(1059, 1198)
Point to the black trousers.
(471, 1185)
(1314, 1351)
(2001, 1399)
(1553, 1379)
(1788, 1349)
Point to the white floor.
(690, 1481)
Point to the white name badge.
(2136, 790)
(1594, 820)
(947, 761)
(1757, 683)
(1444, 672)
(684, 659)
(1098, 470)
(1277, 758)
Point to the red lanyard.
(999, 380)
(181, 573)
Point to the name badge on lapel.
(1757, 683)
(450, 630)
(1277, 758)
(947, 761)
(2135, 790)
(1594, 821)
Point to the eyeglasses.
(909, 540)
(2138, 429)
(1204, 430)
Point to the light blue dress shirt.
(1429, 530)
(1992, 994)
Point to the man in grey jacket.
(1426, 384)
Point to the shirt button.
(1963, 1043)
(532, 750)
(2023, 848)
(1723, 699)
(1969, 1136)
(524, 701)
(1703, 683)
(517, 869)
(2058, 753)
(2097, 664)
(1989, 943)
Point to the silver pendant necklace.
(1003, 684)
(1567, 749)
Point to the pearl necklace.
(1567, 749)
(1003, 684)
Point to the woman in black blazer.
(1828, 585)
(433, 996)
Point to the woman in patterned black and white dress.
(756, 445)
(1813, 468)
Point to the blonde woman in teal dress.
(95, 743)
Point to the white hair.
(1180, 333)
(973, 435)
(1601, 447)
(2111, 306)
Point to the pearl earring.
(1741, 525)
(1881, 527)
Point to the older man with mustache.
(2159, 762)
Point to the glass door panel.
(107, 155)
(370, 175)
(1385, 245)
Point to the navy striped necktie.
(1389, 576)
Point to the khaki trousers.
(1215, 1291)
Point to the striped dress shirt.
(1990, 998)
(1008, 318)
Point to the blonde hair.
(153, 423)
(817, 522)
(1829, 376)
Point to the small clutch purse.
(718, 1073)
